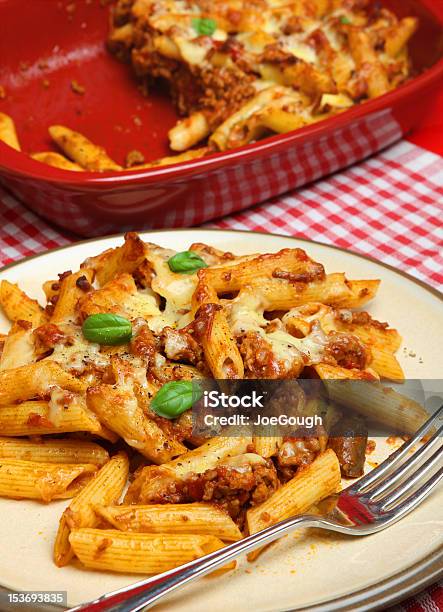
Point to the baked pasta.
(96, 387)
(239, 70)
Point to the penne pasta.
(398, 36)
(34, 380)
(120, 411)
(386, 364)
(173, 159)
(280, 294)
(197, 461)
(18, 348)
(267, 446)
(56, 161)
(139, 553)
(218, 344)
(372, 399)
(33, 418)
(53, 451)
(196, 518)
(105, 488)
(188, 132)
(124, 259)
(69, 295)
(81, 150)
(8, 133)
(312, 484)
(361, 293)
(43, 481)
(234, 275)
(18, 306)
(365, 56)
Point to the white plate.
(304, 569)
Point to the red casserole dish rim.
(31, 168)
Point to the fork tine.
(410, 482)
(417, 497)
(364, 483)
(405, 467)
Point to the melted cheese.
(286, 347)
(240, 462)
(336, 101)
(176, 289)
(80, 353)
(175, 343)
(304, 52)
(57, 402)
(145, 305)
(191, 52)
(245, 314)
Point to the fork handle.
(146, 593)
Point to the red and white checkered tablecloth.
(389, 207)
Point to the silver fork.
(375, 502)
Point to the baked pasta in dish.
(97, 387)
(242, 70)
(239, 70)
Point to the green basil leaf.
(107, 328)
(344, 20)
(186, 262)
(176, 397)
(204, 27)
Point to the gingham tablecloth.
(389, 207)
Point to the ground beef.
(223, 92)
(347, 351)
(64, 275)
(121, 12)
(181, 346)
(232, 489)
(178, 429)
(261, 362)
(348, 439)
(144, 345)
(83, 283)
(48, 335)
(217, 92)
(275, 54)
(315, 274)
(359, 318)
(296, 453)
(26, 325)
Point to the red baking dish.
(46, 44)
